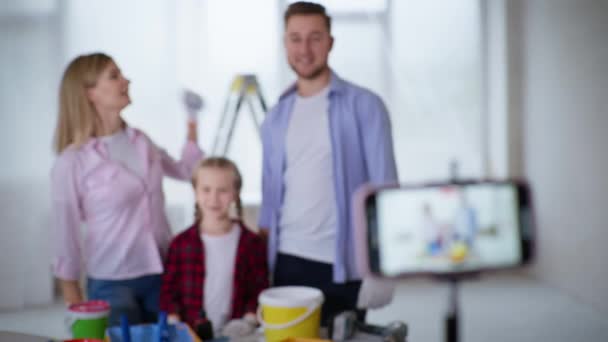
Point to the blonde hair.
(223, 164)
(78, 120)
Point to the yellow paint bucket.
(290, 311)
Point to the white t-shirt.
(121, 150)
(308, 216)
(220, 257)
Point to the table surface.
(18, 337)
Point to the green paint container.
(88, 319)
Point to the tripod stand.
(451, 326)
(452, 319)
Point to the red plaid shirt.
(182, 282)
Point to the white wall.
(565, 119)
(27, 112)
(141, 36)
(38, 40)
(215, 43)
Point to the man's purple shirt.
(362, 150)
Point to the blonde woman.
(108, 176)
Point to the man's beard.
(310, 76)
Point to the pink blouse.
(126, 229)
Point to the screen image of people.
(448, 229)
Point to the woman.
(109, 176)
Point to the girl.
(109, 176)
(216, 265)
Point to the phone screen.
(446, 229)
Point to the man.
(323, 139)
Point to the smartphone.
(443, 228)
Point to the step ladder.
(244, 89)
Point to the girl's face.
(111, 91)
(215, 192)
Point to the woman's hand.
(71, 292)
(192, 131)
